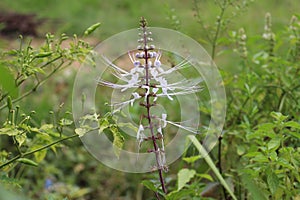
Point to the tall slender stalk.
(148, 105)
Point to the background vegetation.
(258, 55)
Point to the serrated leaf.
(273, 182)
(184, 176)
(191, 159)
(118, 140)
(150, 185)
(274, 143)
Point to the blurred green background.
(119, 15)
(74, 168)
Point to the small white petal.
(154, 90)
(164, 120)
(139, 134)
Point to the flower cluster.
(148, 81)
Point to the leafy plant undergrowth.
(258, 156)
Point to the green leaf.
(81, 131)
(7, 81)
(103, 124)
(20, 138)
(65, 122)
(206, 176)
(91, 29)
(241, 150)
(46, 127)
(191, 159)
(128, 125)
(184, 176)
(211, 164)
(292, 124)
(261, 158)
(10, 131)
(295, 134)
(150, 185)
(255, 191)
(278, 116)
(274, 143)
(27, 162)
(182, 194)
(118, 140)
(273, 181)
(40, 155)
(43, 54)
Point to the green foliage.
(184, 176)
(259, 155)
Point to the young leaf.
(150, 185)
(118, 140)
(278, 116)
(206, 176)
(91, 29)
(9, 131)
(27, 162)
(65, 122)
(272, 181)
(292, 124)
(184, 176)
(103, 124)
(80, 131)
(20, 139)
(40, 155)
(191, 159)
(274, 143)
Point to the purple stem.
(148, 106)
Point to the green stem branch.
(36, 150)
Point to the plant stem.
(36, 150)
(148, 106)
(220, 163)
(219, 26)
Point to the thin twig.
(36, 150)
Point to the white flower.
(140, 133)
(135, 97)
(164, 120)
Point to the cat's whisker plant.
(147, 80)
